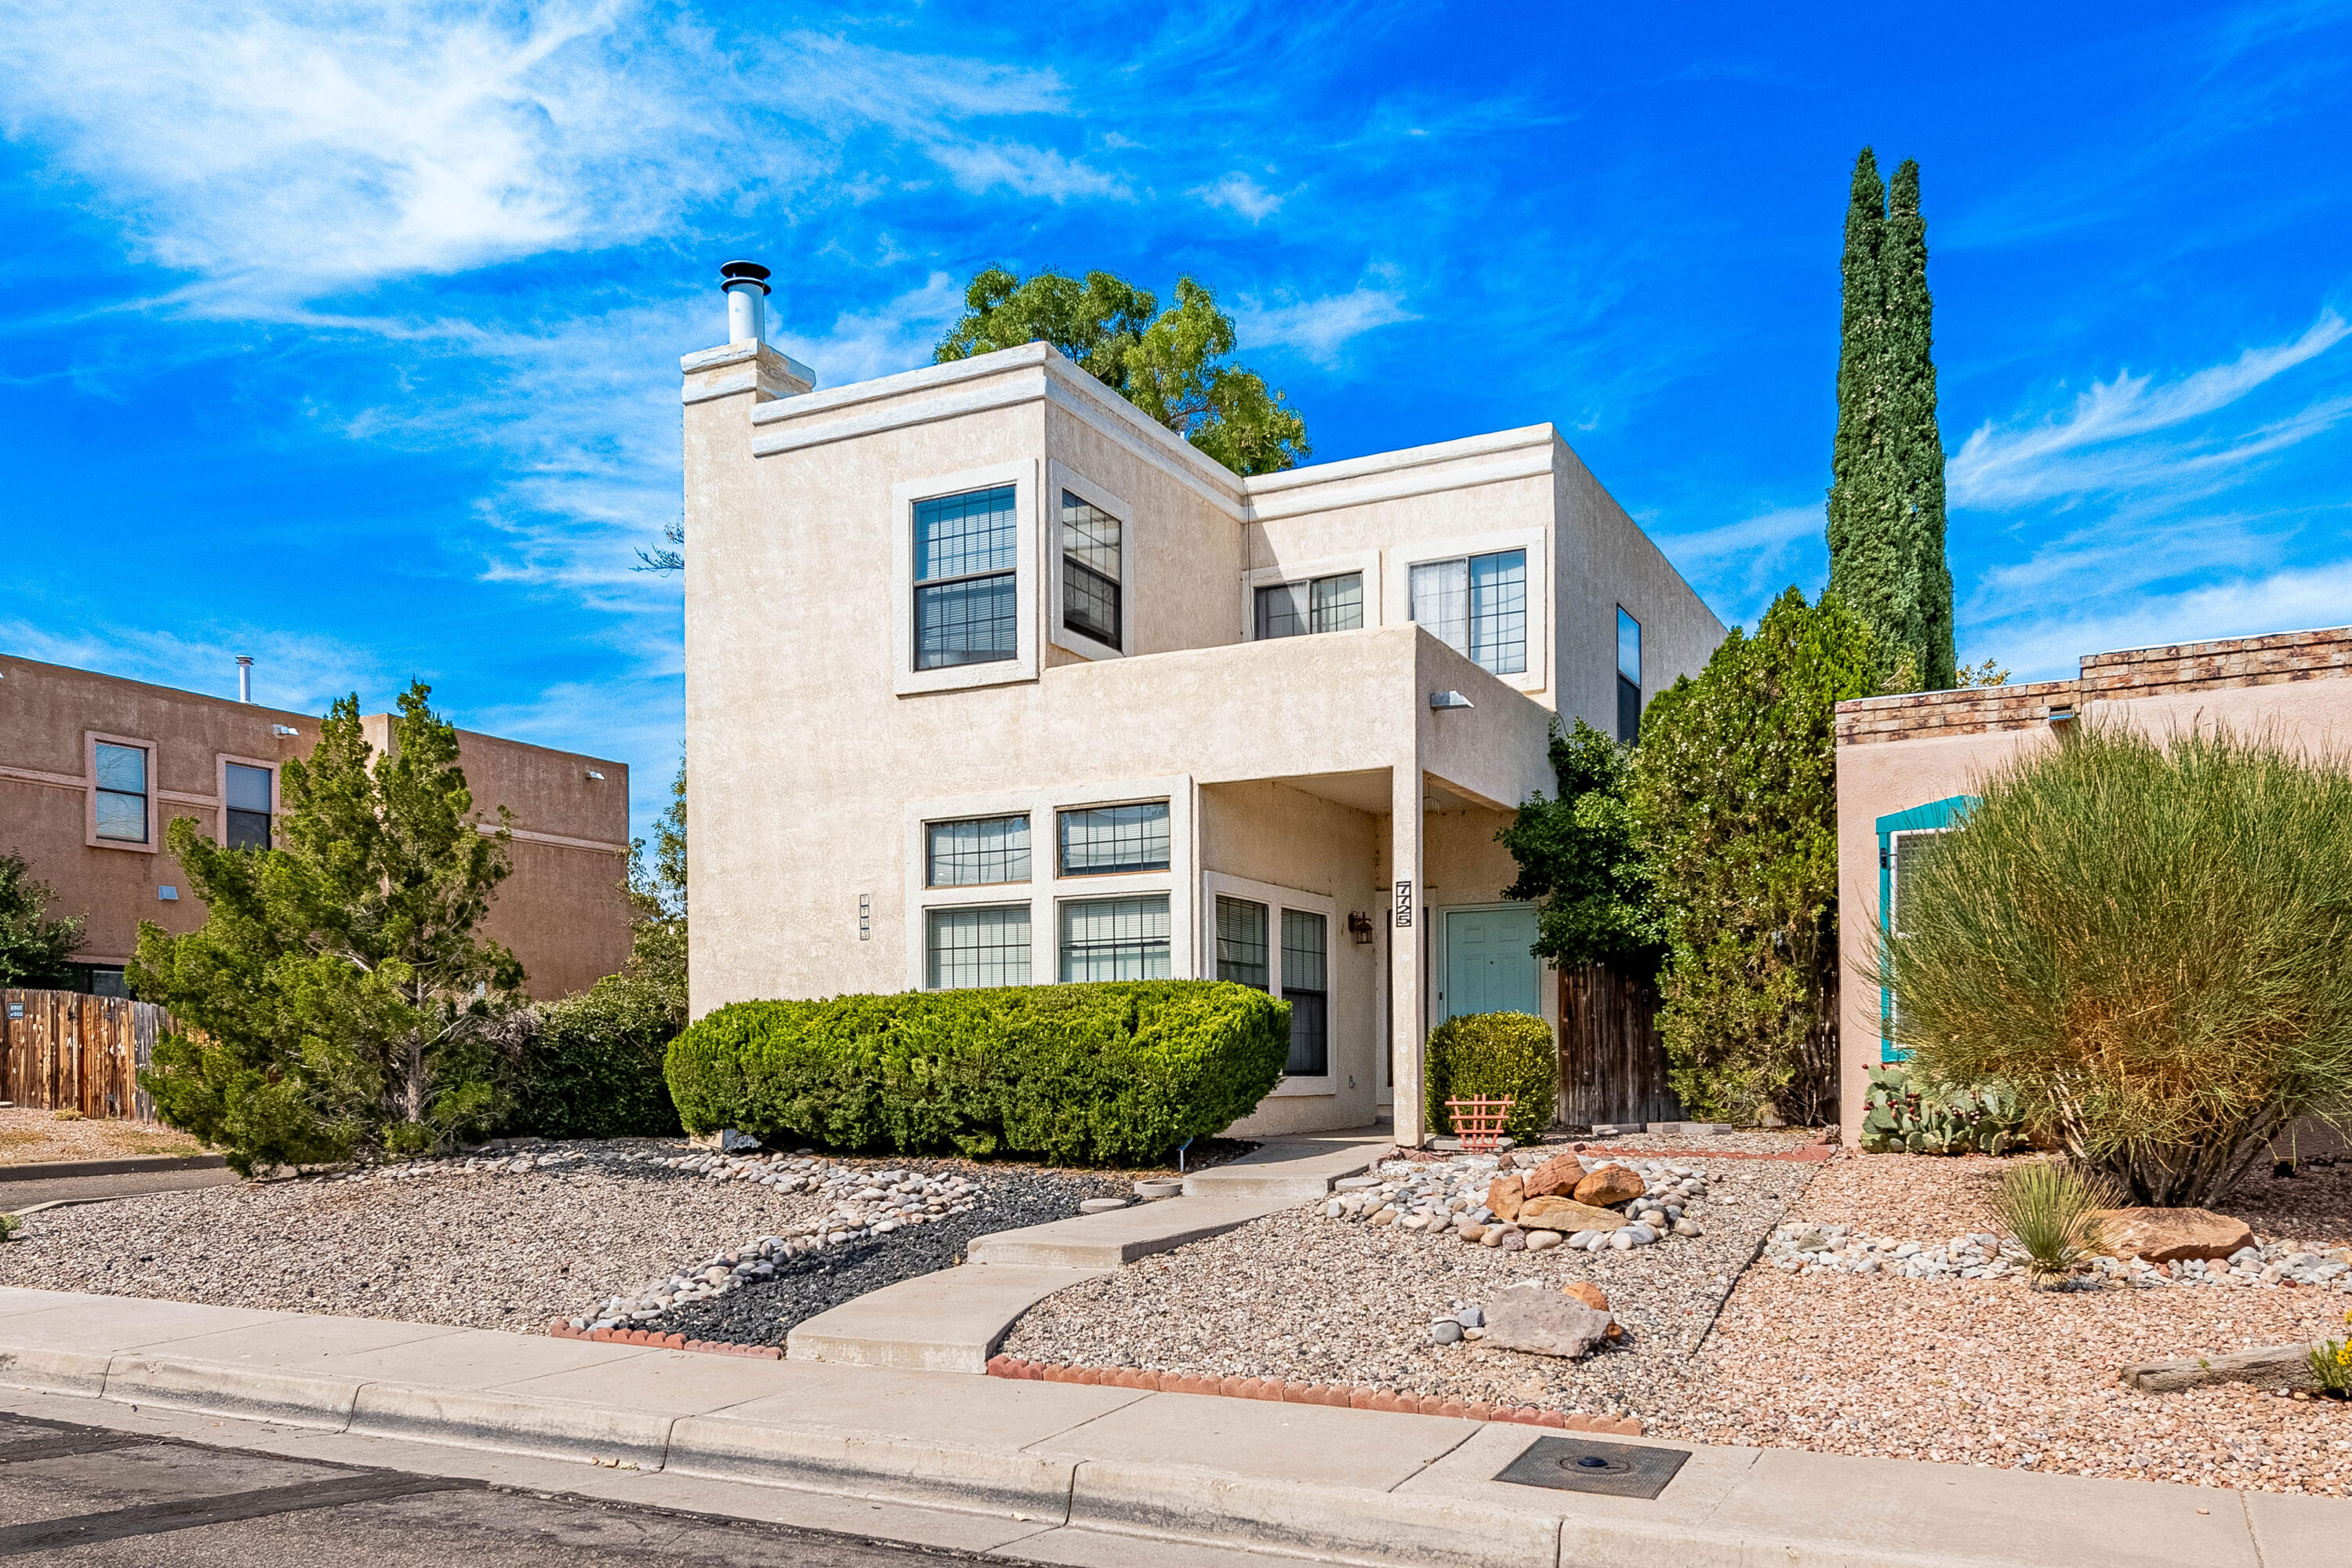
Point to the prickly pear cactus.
(1898, 1116)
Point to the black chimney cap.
(744, 272)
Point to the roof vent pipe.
(245, 678)
(746, 285)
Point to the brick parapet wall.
(2114, 676)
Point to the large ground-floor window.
(1304, 967)
(985, 944)
(1116, 939)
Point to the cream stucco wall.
(813, 761)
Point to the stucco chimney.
(245, 678)
(746, 287)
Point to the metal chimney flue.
(245, 678)
(746, 286)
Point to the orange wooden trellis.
(1479, 1122)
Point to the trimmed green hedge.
(1493, 1053)
(593, 1067)
(1083, 1075)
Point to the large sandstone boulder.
(1611, 1185)
(1503, 1198)
(2167, 1235)
(1567, 1216)
(1541, 1323)
(1556, 1177)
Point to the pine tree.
(1887, 495)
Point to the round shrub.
(593, 1069)
(1109, 1074)
(2151, 943)
(1492, 1054)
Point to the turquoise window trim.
(1929, 818)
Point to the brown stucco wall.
(563, 911)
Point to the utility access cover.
(1611, 1469)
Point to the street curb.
(1346, 1396)
(130, 1166)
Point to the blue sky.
(348, 336)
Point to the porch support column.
(1408, 921)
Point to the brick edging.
(1811, 1154)
(1344, 1396)
(563, 1330)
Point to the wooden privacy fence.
(1612, 1067)
(67, 1051)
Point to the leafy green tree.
(33, 947)
(1733, 801)
(1886, 461)
(657, 890)
(338, 1000)
(1169, 363)
(1576, 853)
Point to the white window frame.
(1045, 892)
(1277, 899)
(90, 740)
(1057, 479)
(221, 761)
(1366, 563)
(905, 680)
(1404, 558)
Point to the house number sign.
(1404, 904)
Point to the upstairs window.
(964, 599)
(1477, 606)
(1629, 677)
(121, 803)
(1100, 839)
(977, 851)
(1091, 589)
(1334, 603)
(248, 791)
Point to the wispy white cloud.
(1739, 567)
(2095, 447)
(1238, 194)
(1318, 329)
(292, 670)
(2047, 645)
(1025, 170)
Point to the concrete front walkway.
(952, 1321)
(1042, 1458)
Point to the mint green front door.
(1488, 968)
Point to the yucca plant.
(2051, 1207)
(2150, 943)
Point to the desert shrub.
(1901, 1115)
(2331, 1364)
(2151, 942)
(2052, 1210)
(1117, 1073)
(593, 1068)
(1493, 1053)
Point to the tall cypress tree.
(1887, 495)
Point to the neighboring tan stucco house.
(1908, 767)
(93, 768)
(991, 680)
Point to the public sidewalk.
(1034, 1462)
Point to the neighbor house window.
(1477, 606)
(1090, 572)
(1912, 853)
(985, 945)
(1333, 604)
(1240, 941)
(964, 554)
(248, 791)
(1116, 939)
(1303, 987)
(1102, 839)
(1629, 677)
(121, 792)
(976, 851)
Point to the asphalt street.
(88, 1495)
(19, 1195)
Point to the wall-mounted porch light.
(1360, 926)
(1439, 700)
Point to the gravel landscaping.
(517, 1241)
(1308, 1295)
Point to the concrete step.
(951, 1321)
(1103, 1242)
(1284, 1170)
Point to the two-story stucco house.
(993, 680)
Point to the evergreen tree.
(1886, 462)
(339, 999)
(657, 939)
(1576, 853)
(33, 947)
